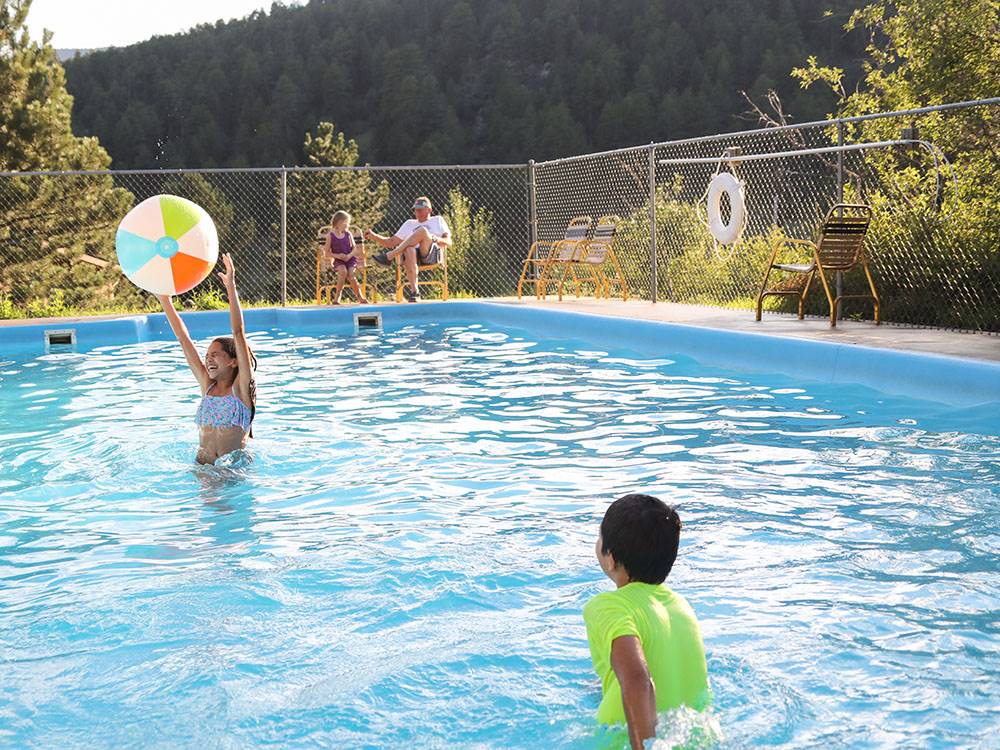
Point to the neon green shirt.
(671, 642)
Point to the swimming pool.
(405, 559)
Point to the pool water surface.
(402, 557)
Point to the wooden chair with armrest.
(840, 247)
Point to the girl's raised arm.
(187, 345)
(239, 335)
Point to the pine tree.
(314, 196)
(421, 80)
(56, 232)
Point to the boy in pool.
(644, 639)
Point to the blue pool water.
(404, 560)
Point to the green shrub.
(209, 299)
(53, 306)
(8, 310)
(473, 262)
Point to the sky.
(83, 24)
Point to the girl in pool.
(345, 255)
(228, 390)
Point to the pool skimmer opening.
(59, 338)
(367, 322)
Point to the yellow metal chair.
(841, 247)
(441, 284)
(324, 288)
(597, 257)
(545, 255)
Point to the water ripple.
(402, 556)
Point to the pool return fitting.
(59, 338)
(367, 322)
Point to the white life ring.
(727, 234)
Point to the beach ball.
(167, 245)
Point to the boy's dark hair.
(642, 534)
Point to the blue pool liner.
(951, 380)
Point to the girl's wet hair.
(339, 217)
(228, 344)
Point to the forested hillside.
(455, 81)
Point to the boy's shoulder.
(605, 597)
(628, 597)
(632, 596)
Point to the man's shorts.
(433, 256)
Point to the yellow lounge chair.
(442, 284)
(841, 247)
(597, 257)
(544, 255)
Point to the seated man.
(421, 241)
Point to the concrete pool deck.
(977, 346)
(980, 346)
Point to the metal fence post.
(840, 196)
(652, 221)
(284, 236)
(532, 217)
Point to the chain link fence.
(934, 245)
(615, 183)
(485, 206)
(57, 230)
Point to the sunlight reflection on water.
(403, 555)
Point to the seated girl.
(228, 390)
(345, 255)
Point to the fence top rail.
(594, 155)
(273, 170)
(799, 152)
(778, 129)
(838, 120)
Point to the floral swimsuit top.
(222, 412)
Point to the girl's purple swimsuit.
(342, 246)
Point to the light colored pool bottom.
(952, 380)
(404, 562)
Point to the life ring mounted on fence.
(731, 232)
